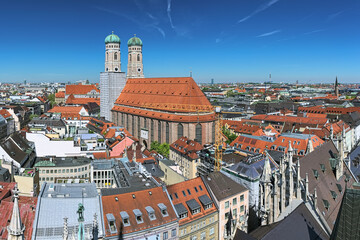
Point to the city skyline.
(240, 41)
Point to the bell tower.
(112, 53)
(135, 61)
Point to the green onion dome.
(134, 41)
(112, 38)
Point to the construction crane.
(198, 109)
(218, 139)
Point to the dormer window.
(163, 209)
(138, 216)
(125, 218)
(206, 202)
(194, 206)
(111, 221)
(151, 213)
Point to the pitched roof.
(298, 225)
(169, 94)
(66, 109)
(27, 206)
(348, 220)
(186, 147)
(290, 119)
(127, 205)
(80, 89)
(191, 194)
(81, 101)
(222, 186)
(60, 95)
(5, 113)
(321, 176)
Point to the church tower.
(135, 60)
(336, 86)
(112, 53)
(112, 80)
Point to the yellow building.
(198, 214)
(184, 153)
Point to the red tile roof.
(166, 116)
(255, 144)
(186, 147)
(179, 94)
(60, 95)
(66, 109)
(290, 119)
(5, 113)
(80, 101)
(329, 110)
(197, 188)
(114, 204)
(80, 89)
(27, 206)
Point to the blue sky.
(230, 41)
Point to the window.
(242, 208)
(159, 131)
(339, 187)
(241, 198)
(125, 217)
(322, 166)
(67, 170)
(115, 56)
(195, 211)
(203, 236)
(200, 188)
(47, 171)
(173, 232)
(333, 194)
(211, 231)
(193, 238)
(176, 195)
(326, 204)
(183, 192)
(184, 215)
(189, 192)
(198, 133)
(227, 204)
(71, 170)
(163, 209)
(152, 130)
(196, 190)
(180, 130)
(234, 212)
(150, 212)
(167, 132)
(138, 57)
(234, 201)
(316, 173)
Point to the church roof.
(176, 94)
(112, 38)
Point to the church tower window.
(198, 133)
(115, 56)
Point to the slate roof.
(251, 170)
(348, 220)
(355, 162)
(222, 186)
(298, 225)
(18, 149)
(326, 180)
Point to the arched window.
(129, 57)
(107, 56)
(138, 57)
(167, 133)
(198, 133)
(159, 131)
(122, 119)
(152, 130)
(180, 131)
(133, 124)
(213, 132)
(115, 56)
(138, 126)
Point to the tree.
(230, 136)
(51, 98)
(33, 116)
(162, 149)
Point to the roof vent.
(133, 196)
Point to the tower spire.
(16, 228)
